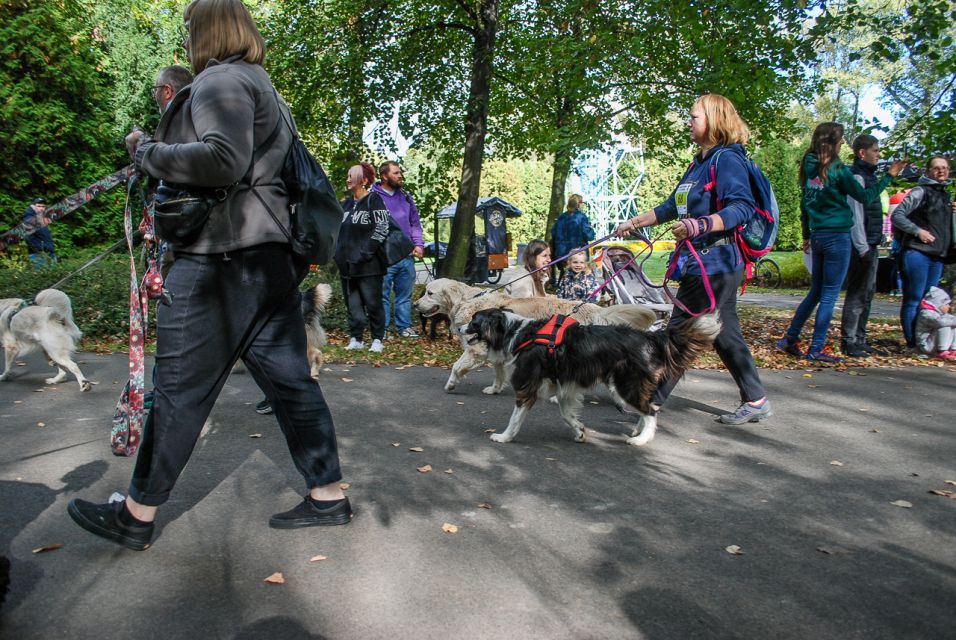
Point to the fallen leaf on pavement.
(41, 424)
(808, 375)
(416, 449)
(346, 379)
(317, 559)
(396, 444)
(875, 431)
(344, 485)
(449, 471)
(902, 503)
(275, 578)
(484, 505)
(693, 441)
(952, 482)
(255, 435)
(426, 469)
(490, 430)
(836, 463)
(459, 403)
(734, 550)
(551, 459)
(48, 547)
(449, 528)
(945, 493)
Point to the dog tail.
(634, 316)
(688, 341)
(60, 303)
(314, 300)
(7, 310)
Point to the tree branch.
(470, 10)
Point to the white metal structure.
(609, 196)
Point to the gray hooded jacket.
(930, 319)
(206, 138)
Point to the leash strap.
(126, 433)
(66, 206)
(671, 267)
(586, 247)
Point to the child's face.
(945, 308)
(577, 263)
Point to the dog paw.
(639, 441)
(554, 400)
(580, 435)
(85, 385)
(500, 437)
(50, 381)
(450, 386)
(491, 390)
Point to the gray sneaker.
(746, 412)
(407, 333)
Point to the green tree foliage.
(909, 52)
(779, 160)
(55, 115)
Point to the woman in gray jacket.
(234, 290)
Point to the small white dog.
(48, 325)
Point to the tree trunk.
(561, 167)
(476, 126)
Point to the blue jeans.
(831, 258)
(401, 276)
(919, 272)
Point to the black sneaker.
(307, 514)
(873, 351)
(263, 407)
(104, 521)
(853, 350)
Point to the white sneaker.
(377, 346)
(355, 344)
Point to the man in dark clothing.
(861, 275)
(40, 242)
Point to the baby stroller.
(628, 288)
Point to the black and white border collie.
(630, 362)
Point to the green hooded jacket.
(823, 204)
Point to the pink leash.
(671, 267)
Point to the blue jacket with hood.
(696, 196)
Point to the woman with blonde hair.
(719, 133)
(233, 290)
(572, 229)
(827, 219)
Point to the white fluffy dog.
(458, 302)
(48, 325)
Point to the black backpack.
(316, 215)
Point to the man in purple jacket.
(401, 275)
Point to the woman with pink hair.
(361, 259)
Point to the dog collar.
(551, 334)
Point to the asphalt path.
(593, 540)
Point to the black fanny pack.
(180, 215)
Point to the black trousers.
(363, 299)
(730, 344)
(244, 304)
(860, 286)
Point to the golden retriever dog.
(48, 325)
(459, 302)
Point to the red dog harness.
(551, 334)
